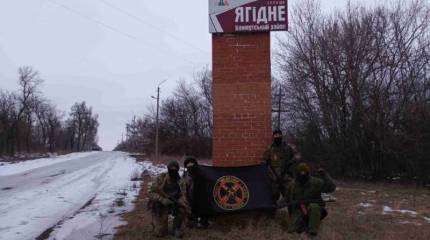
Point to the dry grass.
(349, 220)
(346, 220)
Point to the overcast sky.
(109, 53)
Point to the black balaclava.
(302, 178)
(277, 140)
(191, 165)
(302, 173)
(173, 170)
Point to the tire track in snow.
(32, 207)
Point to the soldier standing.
(305, 192)
(187, 183)
(166, 197)
(279, 159)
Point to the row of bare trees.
(185, 122)
(30, 123)
(357, 87)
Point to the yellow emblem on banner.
(230, 193)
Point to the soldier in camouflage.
(305, 191)
(167, 197)
(280, 162)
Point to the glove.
(166, 202)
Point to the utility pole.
(279, 107)
(157, 125)
(279, 110)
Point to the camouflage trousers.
(160, 218)
(299, 222)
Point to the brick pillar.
(241, 98)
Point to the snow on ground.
(387, 210)
(153, 169)
(102, 216)
(408, 222)
(413, 214)
(14, 168)
(365, 205)
(80, 195)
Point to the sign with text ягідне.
(232, 16)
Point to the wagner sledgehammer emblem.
(230, 193)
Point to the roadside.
(75, 196)
(164, 159)
(362, 211)
(22, 157)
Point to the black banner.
(229, 189)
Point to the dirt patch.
(119, 202)
(45, 235)
(140, 157)
(88, 203)
(138, 221)
(359, 213)
(58, 174)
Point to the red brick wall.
(242, 98)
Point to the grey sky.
(86, 50)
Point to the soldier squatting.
(291, 182)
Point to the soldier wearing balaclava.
(280, 163)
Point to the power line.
(113, 29)
(139, 19)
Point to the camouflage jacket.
(155, 193)
(311, 190)
(187, 184)
(279, 160)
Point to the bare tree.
(352, 79)
(29, 81)
(8, 112)
(204, 86)
(82, 126)
(28, 120)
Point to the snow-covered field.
(80, 195)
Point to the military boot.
(177, 224)
(178, 233)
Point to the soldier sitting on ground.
(305, 192)
(187, 183)
(166, 197)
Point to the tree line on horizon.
(356, 94)
(30, 123)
